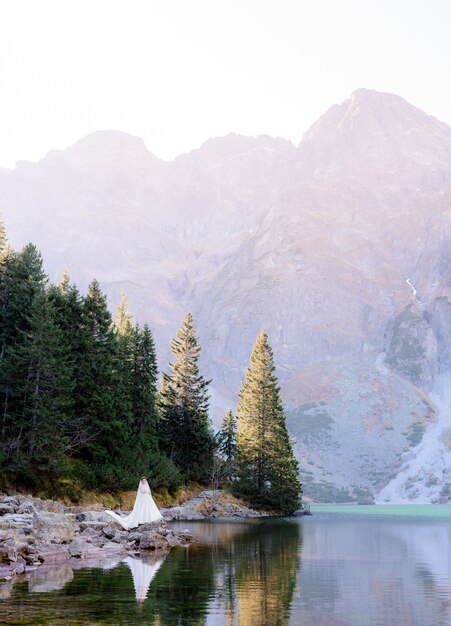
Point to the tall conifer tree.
(186, 433)
(144, 388)
(41, 366)
(22, 279)
(267, 470)
(227, 437)
(96, 383)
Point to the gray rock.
(10, 501)
(182, 513)
(51, 553)
(85, 550)
(110, 547)
(94, 525)
(5, 508)
(109, 532)
(151, 540)
(186, 535)
(151, 526)
(17, 521)
(8, 553)
(26, 507)
(53, 527)
(90, 533)
(94, 516)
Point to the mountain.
(339, 247)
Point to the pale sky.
(176, 72)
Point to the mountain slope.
(340, 248)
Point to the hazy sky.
(177, 72)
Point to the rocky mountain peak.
(377, 128)
(111, 149)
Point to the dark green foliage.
(41, 370)
(267, 470)
(144, 388)
(95, 401)
(226, 438)
(185, 430)
(77, 393)
(226, 445)
(22, 280)
(22, 277)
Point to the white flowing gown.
(144, 511)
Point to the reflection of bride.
(144, 511)
(143, 572)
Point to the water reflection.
(53, 579)
(363, 572)
(326, 570)
(264, 577)
(143, 572)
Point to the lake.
(343, 566)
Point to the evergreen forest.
(80, 406)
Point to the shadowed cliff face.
(314, 243)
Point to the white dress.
(144, 511)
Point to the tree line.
(80, 404)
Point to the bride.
(144, 511)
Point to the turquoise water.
(343, 566)
(438, 511)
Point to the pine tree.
(226, 437)
(40, 367)
(186, 434)
(123, 321)
(144, 388)
(95, 400)
(267, 470)
(22, 279)
(68, 306)
(123, 364)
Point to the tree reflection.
(266, 570)
(238, 574)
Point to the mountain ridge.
(315, 243)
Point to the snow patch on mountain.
(425, 476)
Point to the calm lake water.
(344, 566)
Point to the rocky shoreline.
(35, 532)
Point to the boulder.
(112, 548)
(12, 501)
(151, 540)
(53, 527)
(5, 508)
(85, 550)
(25, 507)
(186, 535)
(17, 521)
(182, 513)
(8, 552)
(89, 534)
(151, 526)
(95, 516)
(51, 553)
